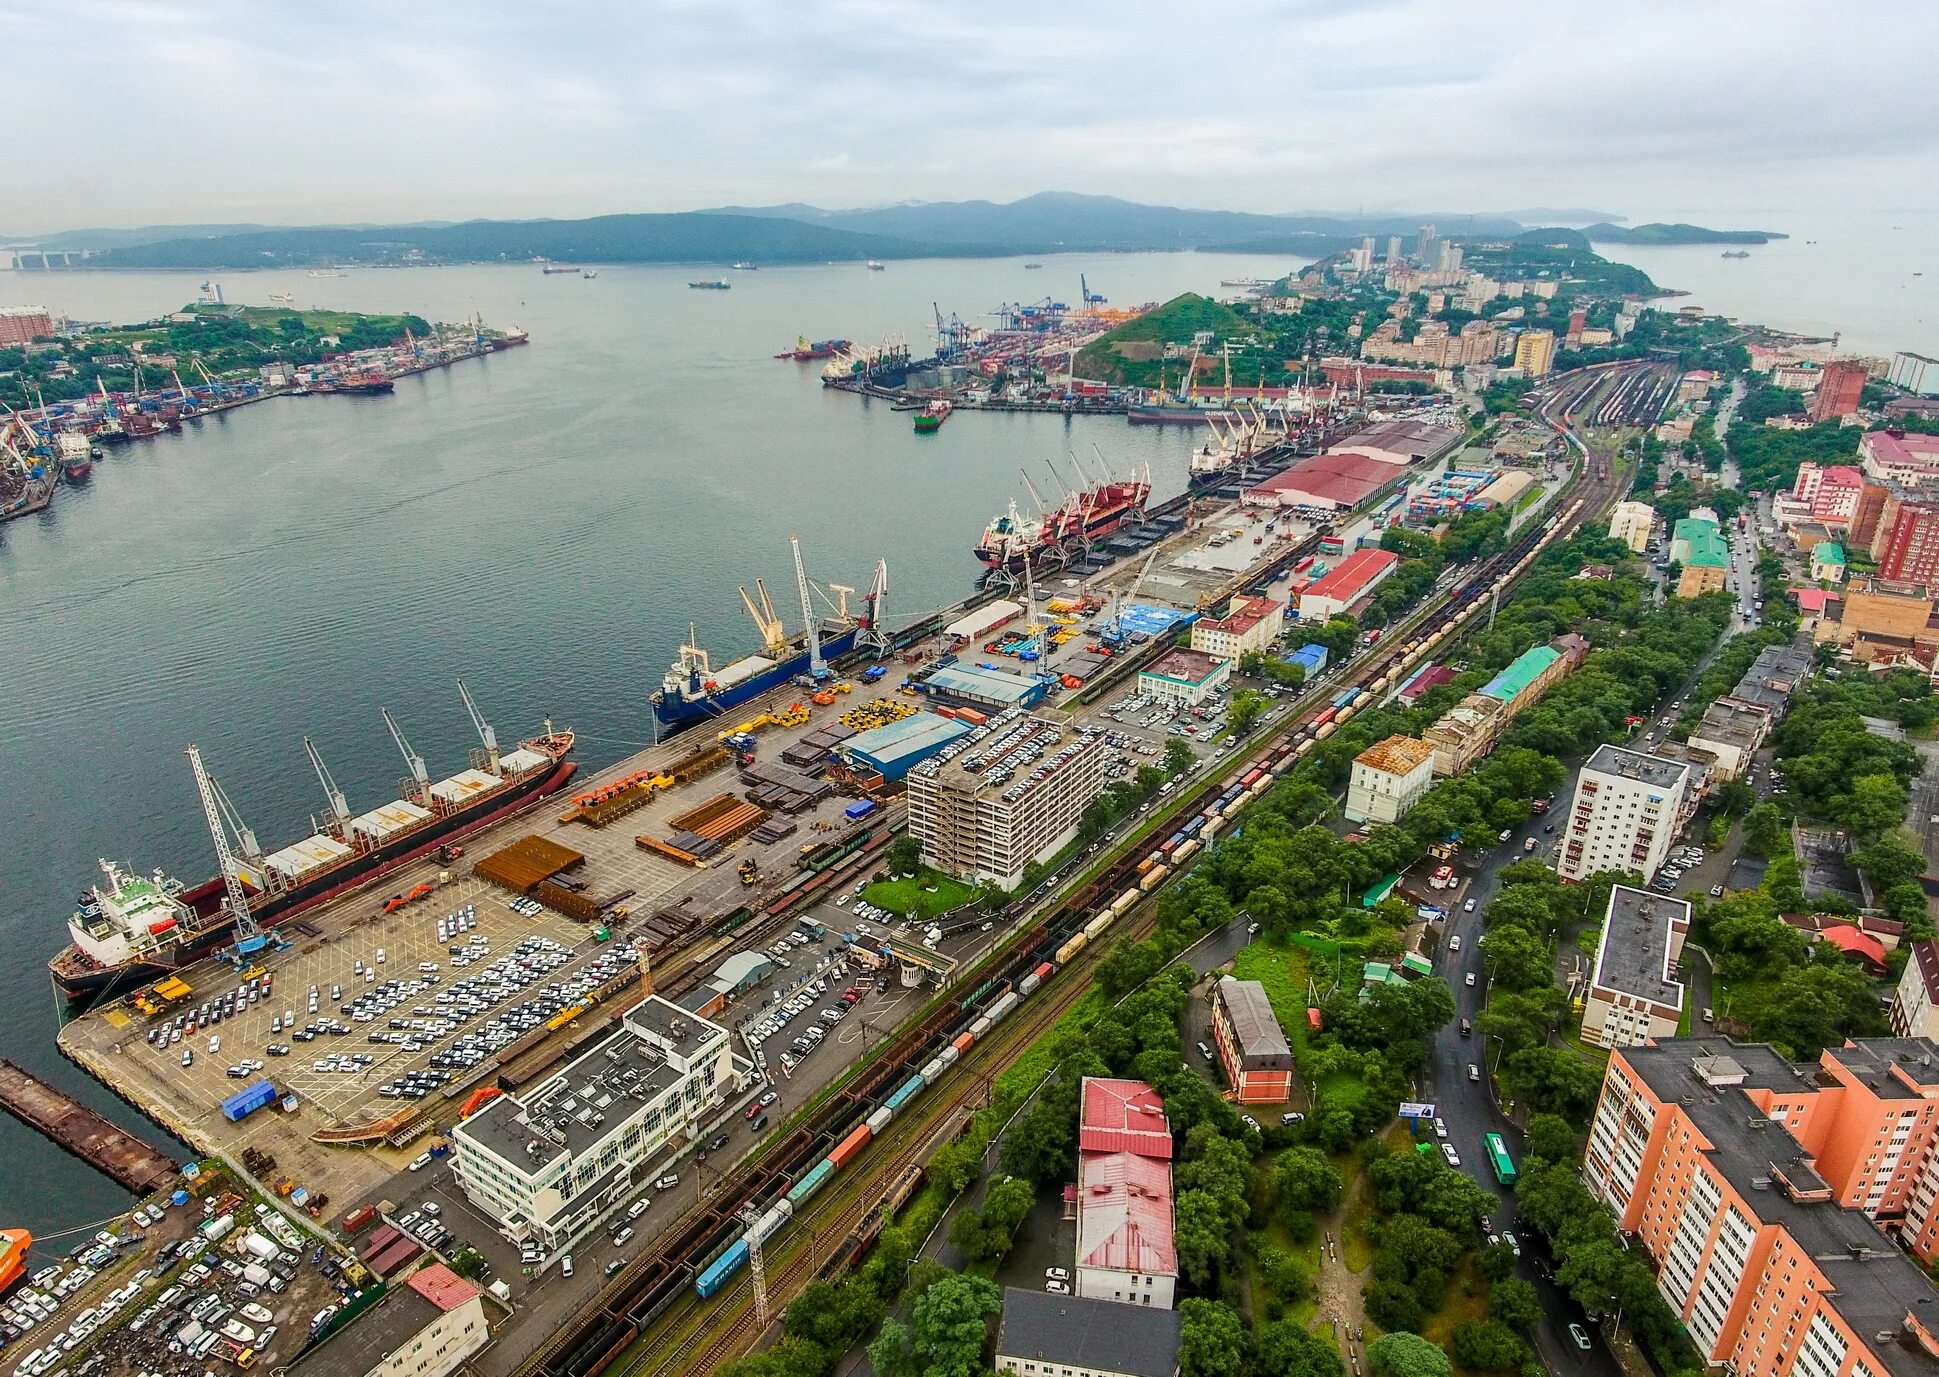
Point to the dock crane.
(250, 938)
(1089, 297)
(1112, 634)
(482, 727)
(875, 607)
(817, 667)
(953, 334)
(338, 818)
(766, 621)
(418, 786)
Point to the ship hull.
(674, 713)
(1175, 415)
(85, 987)
(1103, 524)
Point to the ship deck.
(326, 942)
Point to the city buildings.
(427, 1327)
(1249, 624)
(1535, 352)
(1252, 1047)
(1344, 586)
(1388, 778)
(987, 808)
(24, 324)
(1875, 626)
(1829, 493)
(1124, 1195)
(1463, 734)
(1828, 562)
(1731, 732)
(1906, 544)
(1916, 373)
(1045, 1335)
(1632, 523)
(1915, 1003)
(548, 1164)
(1625, 813)
(1634, 993)
(892, 750)
(1910, 460)
(1759, 1190)
(1840, 386)
(1185, 676)
(1698, 546)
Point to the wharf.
(110, 1150)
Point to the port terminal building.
(549, 1165)
(1007, 795)
(1185, 676)
(979, 686)
(892, 750)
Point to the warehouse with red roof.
(1357, 576)
(1326, 483)
(1125, 1250)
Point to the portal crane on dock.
(483, 728)
(250, 938)
(817, 667)
(338, 818)
(418, 786)
(875, 607)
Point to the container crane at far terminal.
(222, 817)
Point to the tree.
(1553, 1080)
(1211, 1340)
(834, 1316)
(1514, 1302)
(1304, 1179)
(1488, 1344)
(1406, 1355)
(1517, 959)
(794, 1357)
(1876, 805)
(950, 1324)
(1244, 708)
(1764, 829)
(905, 855)
(1201, 1236)
(1287, 1349)
(892, 1353)
(1393, 1305)
(1550, 1139)
(1178, 756)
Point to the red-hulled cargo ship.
(1062, 536)
(131, 930)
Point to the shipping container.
(243, 1103)
(906, 1092)
(947, 1057)
(849, 1146)
(1097, 925)
(933, 1069)
(1028, 983)
(816, 1178)
(722, 1268)
(1001, 1009)
(358, 1219)
(1153, 878)
(980, 1027)
(963, 1042)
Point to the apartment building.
(1909, 458)
(548, 1165)
(1252, 1047)
(1906, 543)
(1631, 523)
(426, 1327)
(1535, 352)
(1389, 778)
(1005, 796)
(1634, 992)
(1125, 1251)
(1915, 1004)
(1731, 732)
(24, 324)
(1761, 1191)
(1248, 624)
(1840, 386)
(1699, 547)
(1625, 814)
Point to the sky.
(129, 112)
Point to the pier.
(110, 1150)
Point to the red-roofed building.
(1123, 1116)
(1357, 575)
(1854, 943)
(441, 1286)
(1431, 677)
(1248, 624)
(1326, 483)
(1124, 1195)
(1865, 939)
(1907, 458)
(1831, 490)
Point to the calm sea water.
(544, 523)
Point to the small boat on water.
(1033, 265)
(718, 285)
(876, 267)
(930, 419)
(590, 274)
(282, 298)
(747, 267)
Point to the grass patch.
(926, 895)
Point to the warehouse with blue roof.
(891, 750)
(1310, 657)
(984, 688)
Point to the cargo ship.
(552, 268)
(719, 284)
(1014, 540)
(806, 352)
(1177, 413)
(930, 419)
(14, 1244)
(370, 385)
(694, 691)
(131, 930)
(77, 456)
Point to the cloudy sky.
(123, 112)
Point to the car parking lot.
(394, 1010)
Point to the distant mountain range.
(1050, 222)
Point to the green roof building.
(1696, 543)
(1525, 673)
(1828, 562)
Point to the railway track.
(657, 1280)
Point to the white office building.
(1625, 813)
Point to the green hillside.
(1134, 352)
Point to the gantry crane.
(817, 669)
(872, 635)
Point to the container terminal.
(710, 874)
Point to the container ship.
(806, 352)
(77, 456)
(1014, 540)
(694, 691)
(130, 930)
(930, 419)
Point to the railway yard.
(377, 1020)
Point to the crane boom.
(339, 806)
(769, 625)
(249, 937)
(485, 733)
(816, 666)
(412, 760)
(1042, 508)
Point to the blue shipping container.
(812, 1182)
(724, 1267)
(904, 1094)
(243, 1103)
(859, 810)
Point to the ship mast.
(249, 937)
(816, 666)
(419, 786)
(339, 816)
(485, 733)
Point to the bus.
(1498, 1158)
